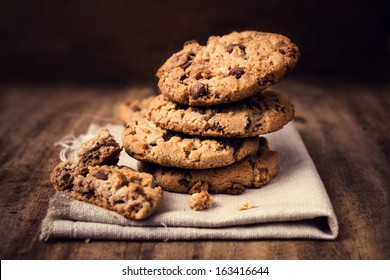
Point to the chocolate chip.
(190, 42)
(190, 58)
(198, 110)
(198, 90)
(282, 52)
(242, 47)
(101, 175)
(186, 65)
(237, 72)
(230, 47)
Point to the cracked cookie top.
(259, 114)
(229, 68)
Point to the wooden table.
(345, 126)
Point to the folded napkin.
(294, 205)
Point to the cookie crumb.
(245, 206)
(200, 201)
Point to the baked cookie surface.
(252, 172)
(121, 189)
(145, 141)
(229, 68)
(262, 113)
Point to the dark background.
(125, 41)
(65, 65)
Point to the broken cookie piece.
(132, 194)
(62, 175)
(101, 149)
(95, 178)
(200, 201)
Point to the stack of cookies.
(202, 132)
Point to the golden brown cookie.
(262, 113)
(228, 69)
(145, 141)
(252, 172)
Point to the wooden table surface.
(344, 124)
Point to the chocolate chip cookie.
(145, 141)
(229, 68)
(262, 113)
(253, 171)
(101, 149)
(121, 189)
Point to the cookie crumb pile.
(202, 131)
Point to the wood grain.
(344, 125)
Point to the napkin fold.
(294, 205)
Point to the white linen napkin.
(294, 205)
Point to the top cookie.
(227, 69)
